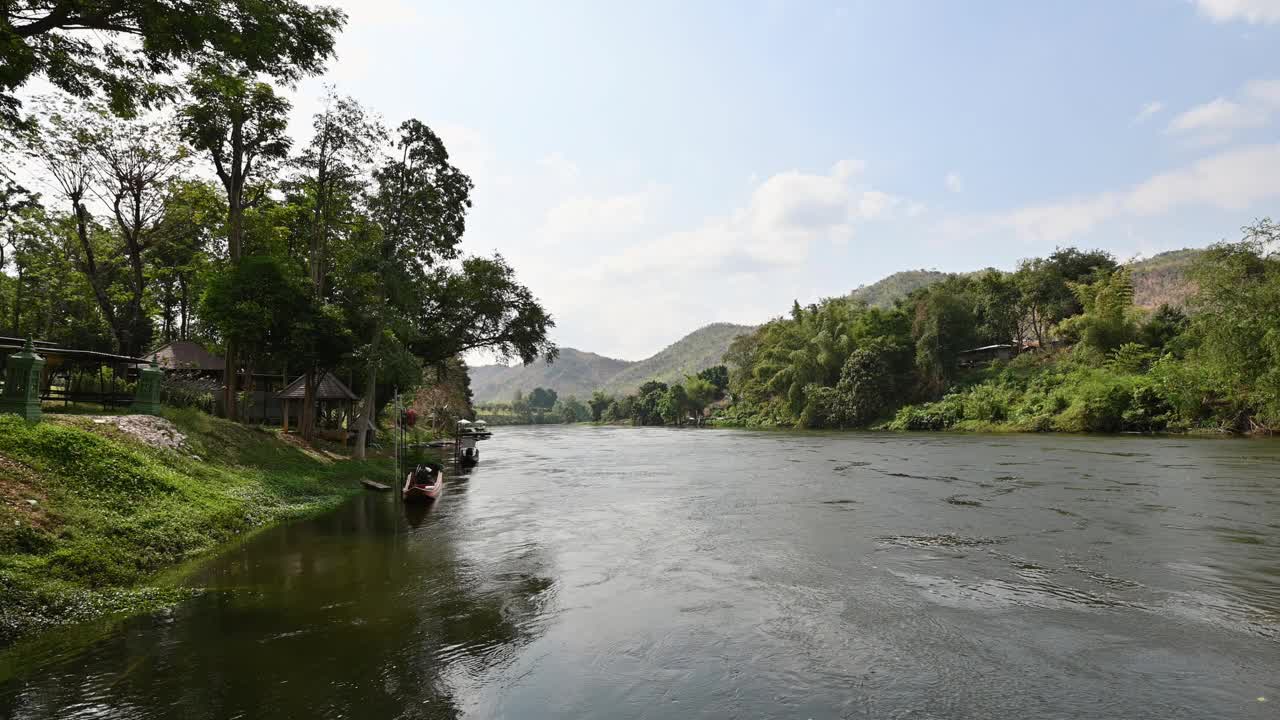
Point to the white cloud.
(847, 169)
(602, 218)
(783, 216)
(1147, 111)
(560, 167)
(954, 182)
(1251, 11)
(1215, 121)
(1265, 93)
(1218, 114)
(1230, 180)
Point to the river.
(659, 573)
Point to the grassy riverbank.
(89, 513)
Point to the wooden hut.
(333, 399)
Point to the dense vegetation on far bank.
(1057, 345)
(1087, 359)
(90, 513)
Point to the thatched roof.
(186, 355)
(331, 388)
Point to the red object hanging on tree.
(410, 417)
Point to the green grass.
(110, 512)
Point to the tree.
(673, 404)
(646, 408)
(65, 147)
(718, 377)
(598, 403)
(190, 239)
(334, 168)
(240, 124)
(1165, 325)
(542, 399)
(481, 305)
(1238, 327)
(344, 142)
(943, 326)
(701, 392)
(265, 306)
(135, 162)
(572, 410)
(125, 48)
(1000, 312)
(1045, 290)
(1105, 322)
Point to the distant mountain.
(581, 373)
(699, 350)
(884, 293)
(573, 373)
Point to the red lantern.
(410, 417)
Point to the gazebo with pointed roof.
(330, 392)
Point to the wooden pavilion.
(334, 401)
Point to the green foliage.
(1238, 329)
(542, 399)
(1131, 358)
(885, 293)
(114, 511)
(1106, 321)
(1165, 328)
(81, 49)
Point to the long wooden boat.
(423, 484)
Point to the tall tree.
(420, 203)
(190, 239)
(240, 124)
(126, 48)
(65, 146)
(136, 160)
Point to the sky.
(652, 167)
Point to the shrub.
(938, 415)
(987, 402)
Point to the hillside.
(696, 351)
(573, 373)
(1156, 280)
(580, 373)
(1163, 278)
(885, 292)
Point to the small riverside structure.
(22, 383)
(333, 399)
(146, 400)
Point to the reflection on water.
(594, 572)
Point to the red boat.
(423, 484)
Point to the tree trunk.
(89, 266)
(307, 422)
(366, 417)
(184, 303)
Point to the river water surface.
(655, 573)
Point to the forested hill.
(1156, 280)
(697, 351)
(580, 373)
(884, 293)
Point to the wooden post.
(284, 410)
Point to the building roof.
(987, 348)
(331, 388)
(186, 354)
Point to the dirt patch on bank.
(152, 431)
